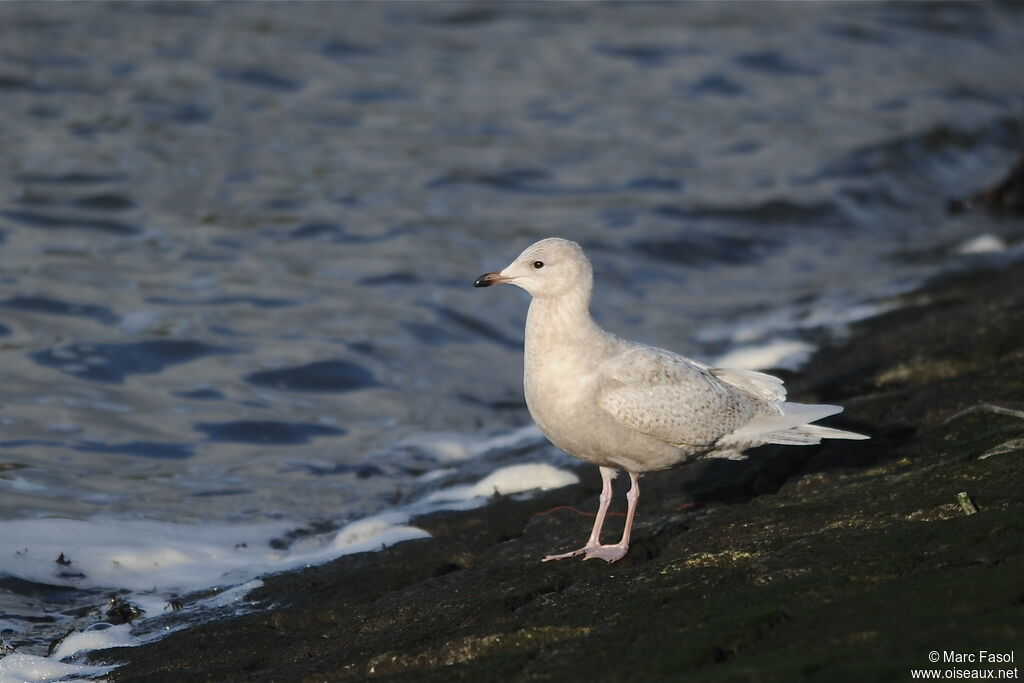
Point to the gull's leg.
(611, 553)
(607, 474)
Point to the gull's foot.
(574, 553)
(608, 553)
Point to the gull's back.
(673, 399)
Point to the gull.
(624, 405)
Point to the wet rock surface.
(1006, 196)
(848, 561)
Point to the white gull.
(623, 405)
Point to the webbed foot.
(608, 553)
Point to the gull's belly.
(566, 411)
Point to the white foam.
(450, 447)
(156, 560)
(772, 334)
(95, 639)
(160, 557)
(839, 317)
(231, 595)
(776, 353)
(506, 481)
(982, 244)
(375, 532)
(22, 668)
(139, 555)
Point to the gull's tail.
(790, 427)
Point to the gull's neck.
(563, 320)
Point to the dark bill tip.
(488, 279)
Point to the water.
(237, 240)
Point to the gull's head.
(550, 268)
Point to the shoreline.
(846, 561)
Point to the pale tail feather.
(809, 434)
(793, 415)
(830, 433)
(791, 427)
(790, 437)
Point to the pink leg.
(607, 474)
(611, 553)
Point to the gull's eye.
(538, 264)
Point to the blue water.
(237, 240)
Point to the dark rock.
(120, 611)
(1007, 196)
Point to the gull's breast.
(561, 394)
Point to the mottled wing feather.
(670, 398)
(768, 388)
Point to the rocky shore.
(849, 561)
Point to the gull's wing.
(673, 399)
